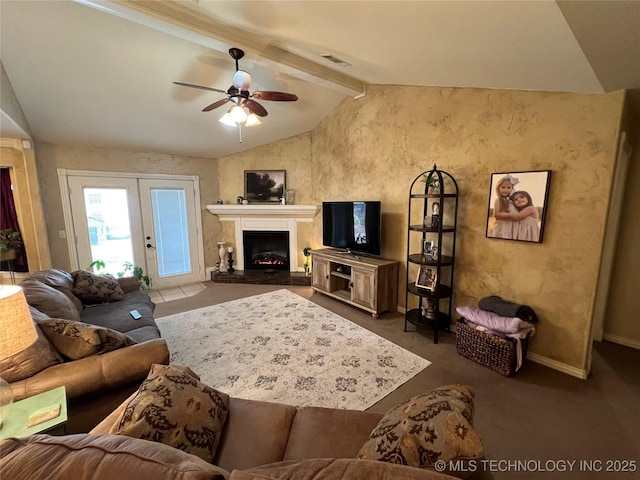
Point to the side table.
(16, 424)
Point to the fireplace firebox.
(266, 250)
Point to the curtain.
(9, 218)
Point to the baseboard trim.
(561, 367)
(627, 342)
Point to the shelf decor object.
(222, 266)
(431, 251)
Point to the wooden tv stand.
(366, 282)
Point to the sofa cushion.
(36, 314)
(60, 280)
(100, 457)
(436, 425)
(329, 433)
(175, 408)
(49, 300)
(35, 358)
(92, 288)
(335, 469)
(117, 316)
(261, 428)
(79, 340)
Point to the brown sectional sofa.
(97, 384)
(257, 433)
(260, 441)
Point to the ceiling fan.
(239, 93)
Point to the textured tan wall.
(51, 157)
(624, 302)
(374, 147)
(292, 155)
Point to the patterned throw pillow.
(174, 408)
(92, 288)
(77, 340)
(436, 425)
(33, 359)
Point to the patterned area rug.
(281, 347)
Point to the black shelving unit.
(431, 246)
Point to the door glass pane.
(109, 227)
(171, 235)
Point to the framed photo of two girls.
(518, 205)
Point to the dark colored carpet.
(532, 423)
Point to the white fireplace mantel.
(273, 217)
(232, 212)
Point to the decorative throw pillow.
(60, 280)
(174, 408)
(92, 288)
(36, 357)
(79, 340)
(436, 425)
(49, 301)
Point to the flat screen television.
(353, 226)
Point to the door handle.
(150, 246)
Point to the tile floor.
(175, 293)
(157, 295)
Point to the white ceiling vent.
(335, 60)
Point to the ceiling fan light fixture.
(245, 110)
(238, 114)
(242, 80)
(227, 120)
(252, 120)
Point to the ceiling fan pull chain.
(240, 132)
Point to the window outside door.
(170, 231)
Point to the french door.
(152, 222)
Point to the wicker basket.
(497, 353)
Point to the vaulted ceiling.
(101, 73)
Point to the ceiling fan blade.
(217, 104)
(275, 96)
(255, 107)
(200, 87)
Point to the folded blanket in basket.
(502, 307)
(511, 326)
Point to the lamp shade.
(17, 331)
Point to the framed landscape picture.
(264, 186)
(518, 205)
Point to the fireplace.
(266, 250)
(266, 218)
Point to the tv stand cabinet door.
(363, 288)
(320, 273)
